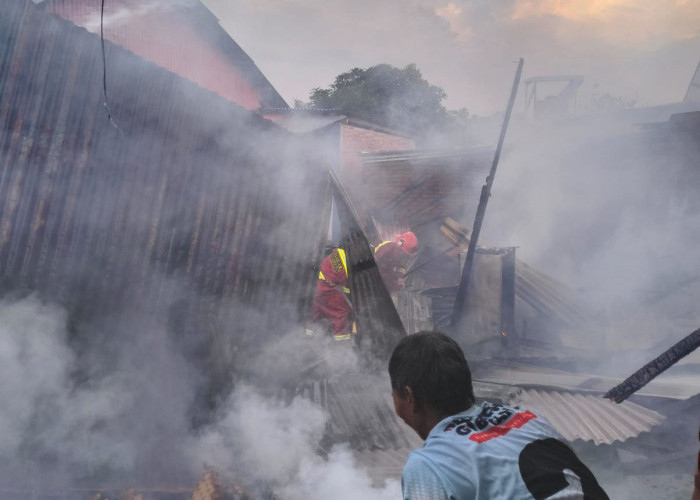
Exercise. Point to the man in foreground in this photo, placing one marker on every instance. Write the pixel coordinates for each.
(485, 451)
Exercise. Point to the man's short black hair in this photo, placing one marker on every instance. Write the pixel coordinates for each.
(433, 365)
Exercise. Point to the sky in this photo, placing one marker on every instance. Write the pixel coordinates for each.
(641, 50)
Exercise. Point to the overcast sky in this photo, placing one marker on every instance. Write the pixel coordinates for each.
(645, 50)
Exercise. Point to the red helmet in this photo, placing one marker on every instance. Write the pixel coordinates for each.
(408, 242)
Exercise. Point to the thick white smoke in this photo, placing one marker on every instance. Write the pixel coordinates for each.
(62, 425)
(34, 365)
(602, 206)
(265, 441)
(129, 424)
(262, 438)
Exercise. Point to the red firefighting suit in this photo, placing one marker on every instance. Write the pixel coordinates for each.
(392, 257)
(332, 307)
(331, 300)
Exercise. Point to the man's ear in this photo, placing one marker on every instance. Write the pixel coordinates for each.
(410, 398)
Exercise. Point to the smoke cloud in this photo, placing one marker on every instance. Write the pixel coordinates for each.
(65, 423)
(276, 445)
(119, 412)
(604, 205)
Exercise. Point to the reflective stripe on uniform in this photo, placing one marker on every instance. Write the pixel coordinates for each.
(381, 245)
(341, 252)
(343, 259)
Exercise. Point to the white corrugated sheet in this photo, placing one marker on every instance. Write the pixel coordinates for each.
(589, 417)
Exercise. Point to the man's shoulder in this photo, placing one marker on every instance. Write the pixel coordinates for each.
(425, 464)
(422, 478)
(478, 417)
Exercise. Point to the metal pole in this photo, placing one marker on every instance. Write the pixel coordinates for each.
(460, 300)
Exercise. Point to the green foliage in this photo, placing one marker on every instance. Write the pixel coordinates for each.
(395, 98)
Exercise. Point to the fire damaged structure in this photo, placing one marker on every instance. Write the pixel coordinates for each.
(181, 183)
(532, 340)
(163, 221)
(157, 209)
(178, 211)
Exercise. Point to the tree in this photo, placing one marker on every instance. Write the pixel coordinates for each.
(395, 98)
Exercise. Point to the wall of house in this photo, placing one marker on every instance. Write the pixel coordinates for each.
(355, 140)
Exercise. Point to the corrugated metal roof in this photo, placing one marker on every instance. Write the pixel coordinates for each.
(304, 122)
(183, 37)
(189, 188)
(589, 417)
(379, 326)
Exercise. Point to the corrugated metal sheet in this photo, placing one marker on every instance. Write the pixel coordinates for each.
(414, 310)
(379, 326)
(183, 187)
(183, 37)
(589, 417)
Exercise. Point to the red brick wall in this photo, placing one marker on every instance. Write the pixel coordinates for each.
(354, 140)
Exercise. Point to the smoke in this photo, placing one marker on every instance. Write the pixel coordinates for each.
(263, 438)
(117, 410)
(605, 206)
(273, 445)
(337, 477)
(66, 423)
(34, 364)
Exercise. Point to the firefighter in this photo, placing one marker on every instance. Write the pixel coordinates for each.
(392, 259)
(331, 307)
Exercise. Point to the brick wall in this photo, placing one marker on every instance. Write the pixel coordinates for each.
(356, 139)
